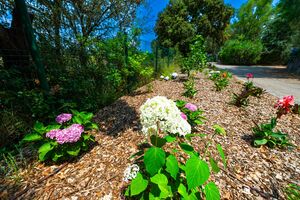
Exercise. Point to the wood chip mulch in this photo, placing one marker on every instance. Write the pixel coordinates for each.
(252, 173)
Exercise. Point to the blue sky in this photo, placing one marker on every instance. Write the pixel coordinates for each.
(156, 6)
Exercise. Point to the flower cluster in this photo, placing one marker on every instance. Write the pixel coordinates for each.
(131, 172)
(285, 103)
(68, 135)
(191, 107)
(174, 75)
(163, 113)
(62, 118)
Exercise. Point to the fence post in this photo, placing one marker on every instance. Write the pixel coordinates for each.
(21, 8)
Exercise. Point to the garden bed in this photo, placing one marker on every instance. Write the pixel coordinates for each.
(252, 173)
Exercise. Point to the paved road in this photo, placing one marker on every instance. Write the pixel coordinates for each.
(274, 79)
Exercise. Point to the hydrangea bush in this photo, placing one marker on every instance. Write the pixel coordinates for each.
(169, 167)
(64, 139)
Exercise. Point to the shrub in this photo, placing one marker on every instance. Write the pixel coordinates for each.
(169, 167)
(64, 139)
(241, 52)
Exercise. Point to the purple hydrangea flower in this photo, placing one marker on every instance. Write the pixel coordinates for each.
(191, 107)
(53, 133)
(64, 117)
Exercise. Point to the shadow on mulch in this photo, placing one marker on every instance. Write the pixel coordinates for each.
(116, 118)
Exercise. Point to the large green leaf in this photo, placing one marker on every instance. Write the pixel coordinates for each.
(170, 138)
(211, 191)
(154, 159)
(39, 127)
(260, 142)
(138, 185)
(44, 149)
(74, 150)
(222, 154)
(172, 166)
(157, 141)
(32, 137)
(197, 172)
(182, 191)
(187, 148)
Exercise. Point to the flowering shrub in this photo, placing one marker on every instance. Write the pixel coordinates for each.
(284, 105)
(191, 112)
(65, 138)
(163, 113)
(170, 168)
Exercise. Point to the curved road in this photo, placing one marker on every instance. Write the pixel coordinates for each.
(273, 79)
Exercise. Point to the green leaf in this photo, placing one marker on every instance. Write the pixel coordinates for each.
(260, 142)
(214, 165)
(212, 192)
(39, 127)
(138, 185)
(53, 127)
(187, 148)
(182, 191)
(219, 130)
(32, 137)
(77, 120)
(44, 149)
(197, 172)
(157, 141)
(222, 154)
(170, 138)
(172, 166)
(154, 159)
(162, 182)
(74, 150)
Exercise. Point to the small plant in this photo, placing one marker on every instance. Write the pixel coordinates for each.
(248, 90)
(220, 78)
(149, 87)
(292, 192)
(191, 113)
(64, 139)
(264, 134)
(189, 87)
(170, 168)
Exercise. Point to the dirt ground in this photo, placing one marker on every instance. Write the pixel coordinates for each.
(252, 173)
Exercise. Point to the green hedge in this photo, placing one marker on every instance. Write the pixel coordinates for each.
(241, 52)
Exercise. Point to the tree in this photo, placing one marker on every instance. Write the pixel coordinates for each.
(251, 18)
(182, 20)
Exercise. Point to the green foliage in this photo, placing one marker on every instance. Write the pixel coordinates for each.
(51, 149)
(264, 134)
(194, 118)
(241, 52)
(189, 88)
(181, 21)
(292, 192)
(164, 175)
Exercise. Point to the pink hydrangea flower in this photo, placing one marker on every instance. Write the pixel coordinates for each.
(183, 116)
(68, 135)
(249, 75)
(53, 133)
(191, 107)
(64, 117)
(285, 103)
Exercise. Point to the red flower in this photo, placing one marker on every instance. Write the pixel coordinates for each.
(286, 103)
(249, 75)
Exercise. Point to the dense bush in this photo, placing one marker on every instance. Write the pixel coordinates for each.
(241, 52)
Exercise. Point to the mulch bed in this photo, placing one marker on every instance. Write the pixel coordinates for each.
(252, 173)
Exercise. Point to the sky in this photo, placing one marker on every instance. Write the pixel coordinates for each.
(156, 6)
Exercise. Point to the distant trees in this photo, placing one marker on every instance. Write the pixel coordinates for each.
(182, 20)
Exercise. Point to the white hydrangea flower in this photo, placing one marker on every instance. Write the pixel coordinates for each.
(162, 77)
(174, 75)
(162, 111)
(167, 78)
(131, 172)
